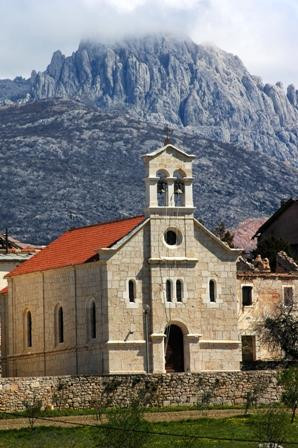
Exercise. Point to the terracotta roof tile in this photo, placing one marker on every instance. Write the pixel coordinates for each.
(4, 290)
(78, 245)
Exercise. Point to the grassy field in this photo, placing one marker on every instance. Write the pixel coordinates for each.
(91, 437)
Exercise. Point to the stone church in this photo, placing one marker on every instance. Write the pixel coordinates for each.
(153, 293)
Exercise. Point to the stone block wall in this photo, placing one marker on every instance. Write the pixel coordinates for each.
(156, 390)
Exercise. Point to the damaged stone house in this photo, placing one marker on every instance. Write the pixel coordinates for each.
(260, 294)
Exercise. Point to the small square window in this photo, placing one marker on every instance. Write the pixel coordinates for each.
(288, 296)
(246, 295)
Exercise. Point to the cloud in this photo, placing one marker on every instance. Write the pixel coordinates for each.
(263, 33)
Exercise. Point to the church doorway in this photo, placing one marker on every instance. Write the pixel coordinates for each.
(174, 349)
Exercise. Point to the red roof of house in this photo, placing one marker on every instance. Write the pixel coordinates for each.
(77, 246)
(4, 290)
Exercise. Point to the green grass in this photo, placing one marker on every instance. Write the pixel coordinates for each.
(91, 411)
(89, 437)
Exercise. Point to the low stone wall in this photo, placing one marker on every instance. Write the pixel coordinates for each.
(154, 390)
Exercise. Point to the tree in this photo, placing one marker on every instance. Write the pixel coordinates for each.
(269, 247)
(224, 234)
(272, 427)
(125, 427)
(289, 380)
(280, 331)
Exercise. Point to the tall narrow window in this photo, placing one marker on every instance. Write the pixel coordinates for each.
(288, 296)
(179, 291)
(60, 325)
(212, 291)
(169, 290)
(162, 188)
(93, 320)
(179, 188)
(246, 295)
(29, 329)
(131, 290)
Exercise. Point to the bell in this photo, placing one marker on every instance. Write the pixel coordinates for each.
(178, 191)
(161, 188)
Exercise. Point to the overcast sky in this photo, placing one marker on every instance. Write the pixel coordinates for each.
(263, 33)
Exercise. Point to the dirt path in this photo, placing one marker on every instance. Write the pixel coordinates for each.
(69, 421)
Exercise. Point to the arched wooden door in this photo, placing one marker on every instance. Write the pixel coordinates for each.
(174, 349)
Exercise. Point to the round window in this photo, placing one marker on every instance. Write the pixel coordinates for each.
(172, 237)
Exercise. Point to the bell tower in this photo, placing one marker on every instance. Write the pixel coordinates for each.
(169, 182)
(172, 253)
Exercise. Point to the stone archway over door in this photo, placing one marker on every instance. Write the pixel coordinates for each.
(174, 349)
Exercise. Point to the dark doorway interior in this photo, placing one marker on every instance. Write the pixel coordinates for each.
(174, 349)
(248, 348)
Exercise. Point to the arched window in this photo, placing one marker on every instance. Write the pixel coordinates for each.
(179, 188)
(212, 291)
(29, 328)
(60, 325)
(169, 290)
(162, 188)
(179, 290)
(93, 320)
(132, 291)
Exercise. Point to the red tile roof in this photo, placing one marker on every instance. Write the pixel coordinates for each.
(77, 246)
(4, 290)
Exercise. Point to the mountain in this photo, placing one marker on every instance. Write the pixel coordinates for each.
(165, 78)
(65, 163)
(245, 231)
(71, 137)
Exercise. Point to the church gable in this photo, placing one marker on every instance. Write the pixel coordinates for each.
(213, 244)
(170, 149)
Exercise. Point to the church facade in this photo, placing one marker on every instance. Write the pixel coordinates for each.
(153, 293)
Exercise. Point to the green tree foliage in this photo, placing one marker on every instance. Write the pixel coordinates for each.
(280, 331)
(222, 233)
(126, 427)
(269, 247)
(289, 380)
(272, 427)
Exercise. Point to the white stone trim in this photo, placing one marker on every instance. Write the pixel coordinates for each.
(235, 252)
(222, 341)
(157, 336)
(179, 237)
(218, 291)
(137, 301)
(132, 342)
(192, 337)
(172, 260)
(158, 151)
(89, 301)
(174, 303)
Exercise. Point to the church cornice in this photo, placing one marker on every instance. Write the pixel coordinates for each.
(172, 260)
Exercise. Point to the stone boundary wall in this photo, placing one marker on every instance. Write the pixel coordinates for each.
(155, 390)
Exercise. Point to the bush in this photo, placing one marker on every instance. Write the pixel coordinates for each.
(125, 428)
(272, 427)
(289, 380)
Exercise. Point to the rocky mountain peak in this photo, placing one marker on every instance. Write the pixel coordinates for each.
(169, 78)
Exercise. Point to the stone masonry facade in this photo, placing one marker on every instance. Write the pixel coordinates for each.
(229, 388)
(268, 294)
(207, 324)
